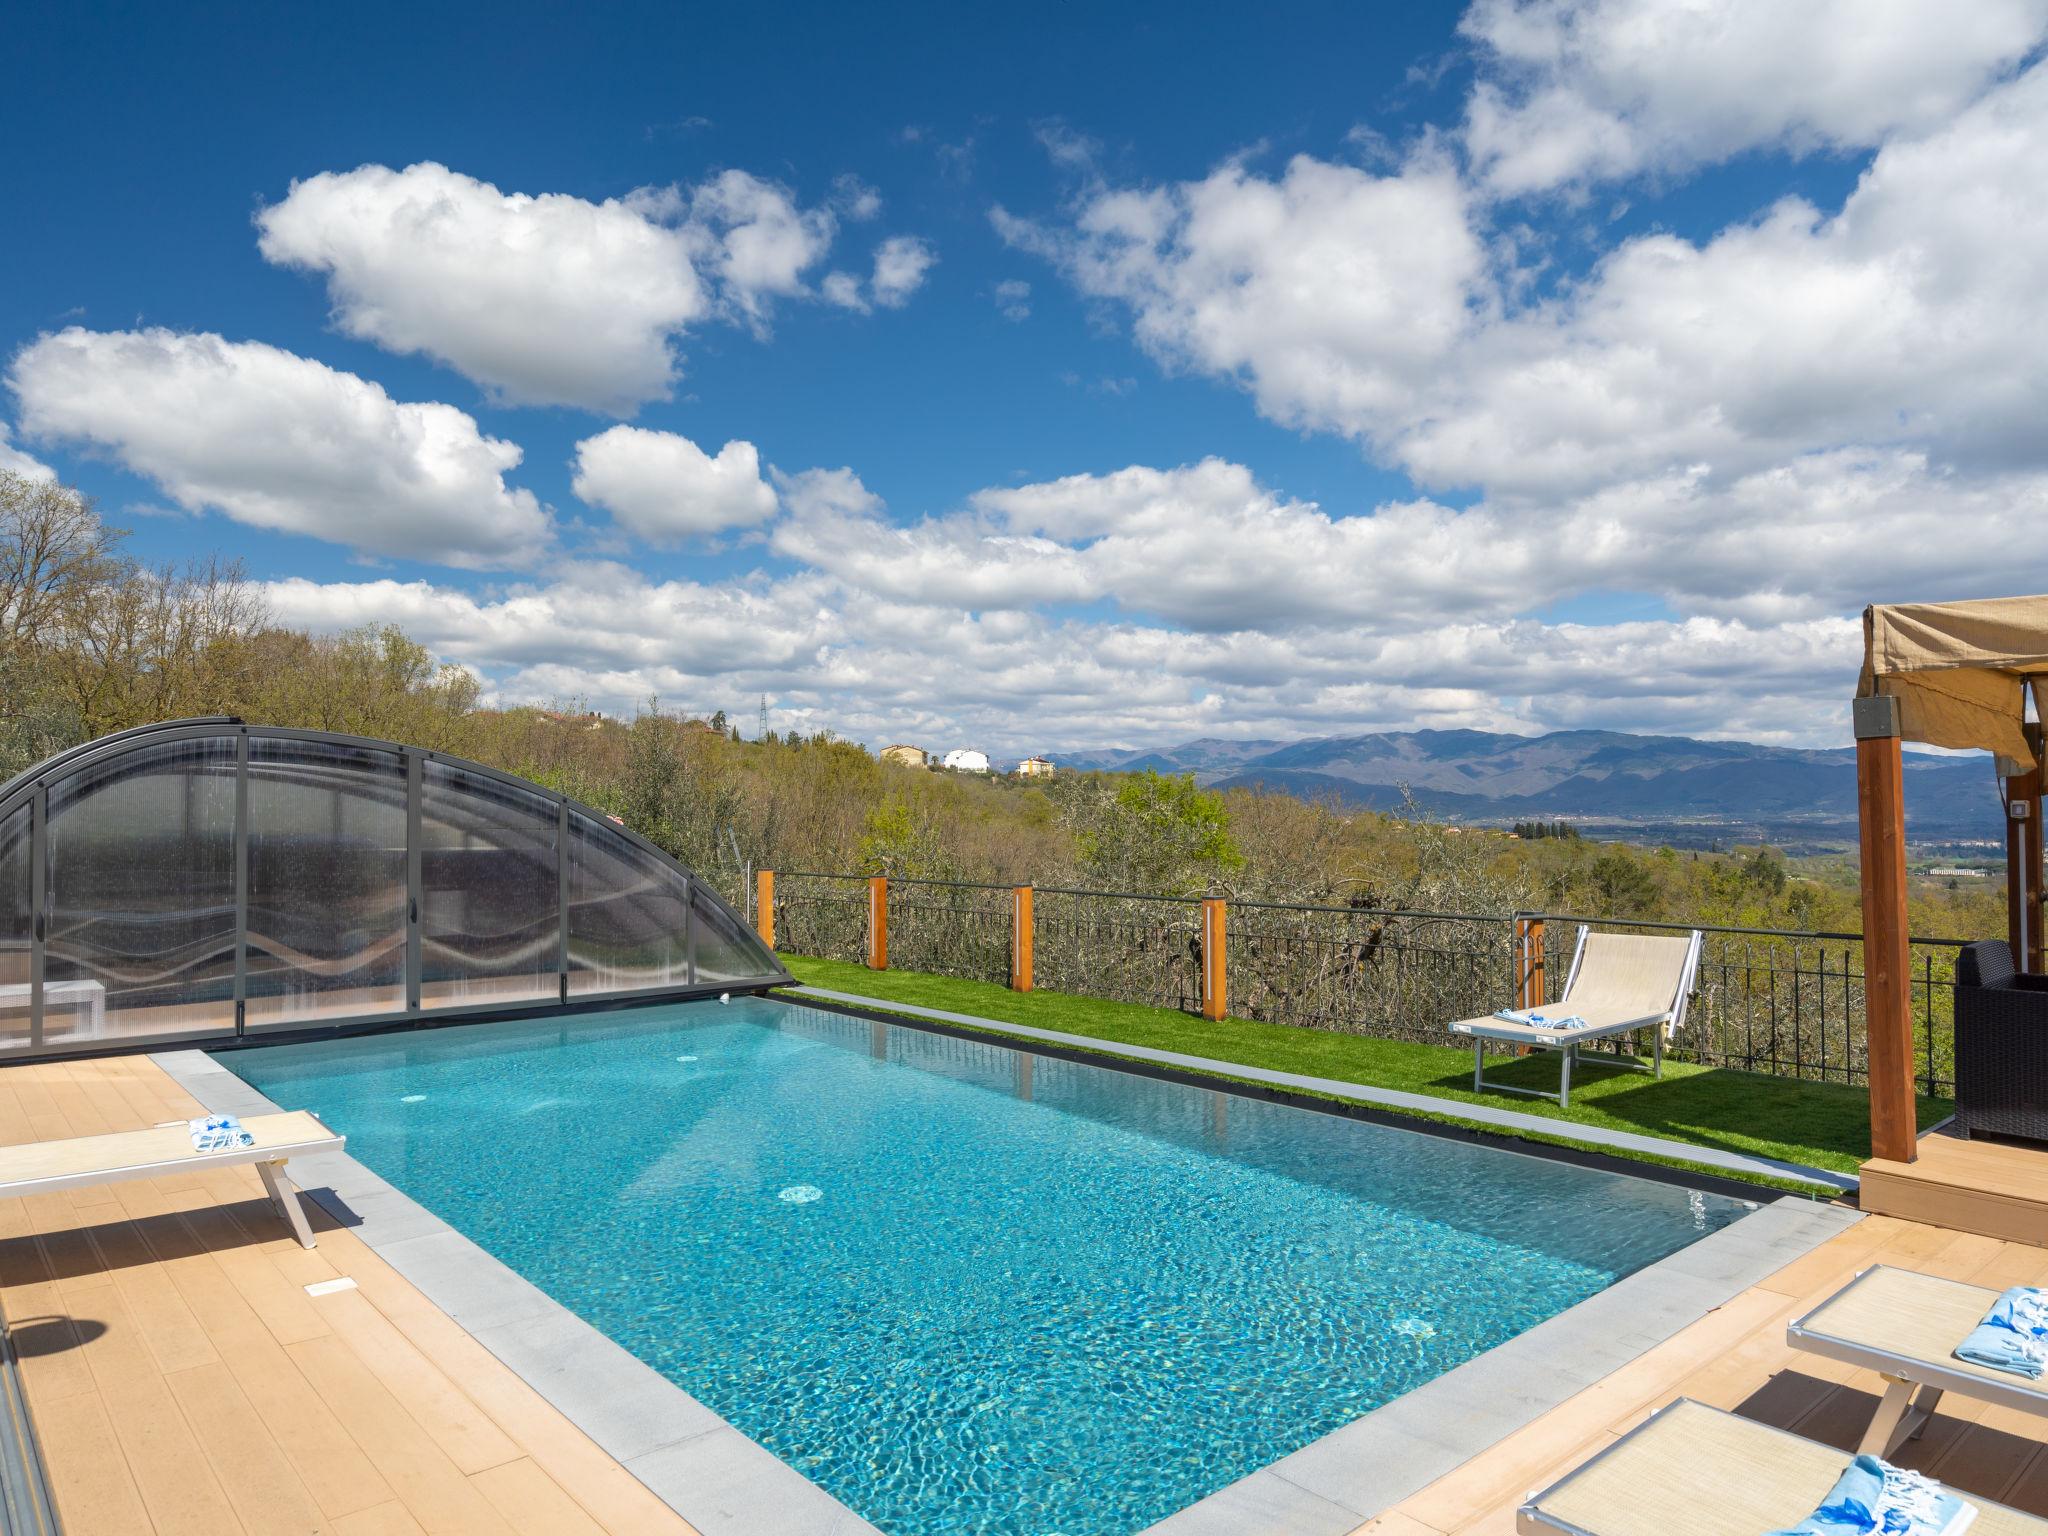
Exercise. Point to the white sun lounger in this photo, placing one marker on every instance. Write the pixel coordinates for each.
(1618, 983)
(39, 1167)
(1695, 1470)
(1906, 1326)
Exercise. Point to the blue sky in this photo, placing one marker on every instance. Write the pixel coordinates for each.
(1282, 371)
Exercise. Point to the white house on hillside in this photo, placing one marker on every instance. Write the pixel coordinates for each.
(965, 760)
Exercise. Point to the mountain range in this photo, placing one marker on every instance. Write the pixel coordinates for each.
(1683, 790)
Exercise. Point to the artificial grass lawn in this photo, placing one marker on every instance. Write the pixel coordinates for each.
(1823, 1125)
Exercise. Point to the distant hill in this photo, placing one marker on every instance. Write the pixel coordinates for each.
(1678, 789)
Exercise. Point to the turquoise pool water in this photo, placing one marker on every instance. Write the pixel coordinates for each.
(963, 1288)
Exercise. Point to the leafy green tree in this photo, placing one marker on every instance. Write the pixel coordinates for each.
(904, 841)
(1624, 887)
(1150, 832)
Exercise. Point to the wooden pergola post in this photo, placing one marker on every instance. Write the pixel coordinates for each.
(1887, 959)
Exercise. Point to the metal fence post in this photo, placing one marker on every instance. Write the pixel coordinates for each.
(1022, 931)
(878, 923)
(1518, 993)
(764, 905)
(1215, 970)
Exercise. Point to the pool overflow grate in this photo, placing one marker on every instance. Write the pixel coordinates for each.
(26, 1508)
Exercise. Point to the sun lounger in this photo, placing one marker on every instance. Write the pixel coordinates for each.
(39, 1167)
(1906, 1326)
(1702, 1472)
(1618, 983)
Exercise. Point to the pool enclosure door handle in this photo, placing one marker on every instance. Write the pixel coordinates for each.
(412, 910)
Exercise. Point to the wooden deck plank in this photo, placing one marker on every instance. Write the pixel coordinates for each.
(433, 1489)
(456, 1424)
(259, 1479)
(89, 1477)
(389, 1519)
(533, 1502)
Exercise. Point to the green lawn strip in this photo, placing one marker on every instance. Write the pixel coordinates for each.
(1821, 1125)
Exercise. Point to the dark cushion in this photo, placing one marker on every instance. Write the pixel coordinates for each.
(1987, 963)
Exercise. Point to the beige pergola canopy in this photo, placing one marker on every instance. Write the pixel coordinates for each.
(1960, 671)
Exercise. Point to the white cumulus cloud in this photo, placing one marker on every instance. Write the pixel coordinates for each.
(664, 487)
(1381, 307)
(901, 263)
(547, 300)
(1587, 90)
(552, 299)
(18, 462)
(280, 441)
(1332, 293)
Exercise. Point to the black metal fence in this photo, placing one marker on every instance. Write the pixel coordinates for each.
(951, 928)
(1778, 1001)
(1129, 949)
(822, 915)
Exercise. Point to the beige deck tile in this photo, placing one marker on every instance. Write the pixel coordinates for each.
(252, 1467)
(431, 1486)
(89, 1477)
(46, 1341)
(390, 1519)
(462, 1429)
(175, 1479)
(533, 1502)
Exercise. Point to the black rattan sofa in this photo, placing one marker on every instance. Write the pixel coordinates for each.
(2001, 1045)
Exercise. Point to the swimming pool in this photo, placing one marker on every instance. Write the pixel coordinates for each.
(965, 1288)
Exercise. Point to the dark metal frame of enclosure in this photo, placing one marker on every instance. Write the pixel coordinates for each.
(32, 787)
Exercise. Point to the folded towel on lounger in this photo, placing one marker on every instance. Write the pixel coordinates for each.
(1537, 1019)
(2014, 1334)
(218, 1133)
(1875, 1496)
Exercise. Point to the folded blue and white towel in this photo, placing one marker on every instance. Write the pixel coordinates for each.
(1538, 1019)
(2014, 1334)
(219, 1133)
(1873, 1495)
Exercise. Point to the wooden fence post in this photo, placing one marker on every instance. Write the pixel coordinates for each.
(1021, 934)
(878, 923)
(764, 905)
(1215, 969)
(1535, 985)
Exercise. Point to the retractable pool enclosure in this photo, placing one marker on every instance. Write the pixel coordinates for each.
(206, 879)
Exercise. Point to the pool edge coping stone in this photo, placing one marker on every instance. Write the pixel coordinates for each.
(732, 1485)
(1506, 1120)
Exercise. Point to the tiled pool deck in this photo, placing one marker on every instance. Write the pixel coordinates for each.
(183, 1379)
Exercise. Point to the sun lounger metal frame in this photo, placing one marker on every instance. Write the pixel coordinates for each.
(1914, 1383)
(1567, 1041)
(154, 1152)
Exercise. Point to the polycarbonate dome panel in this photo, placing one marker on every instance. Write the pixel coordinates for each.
(207, 879)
